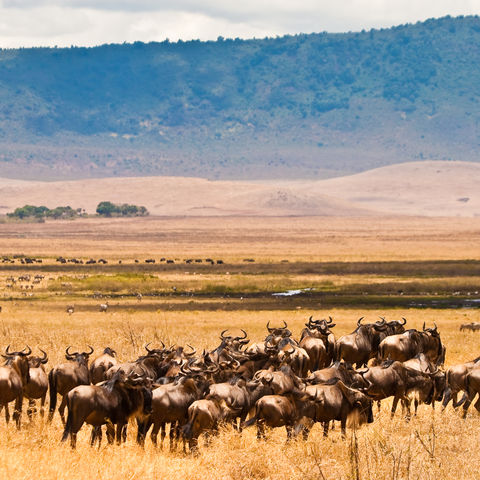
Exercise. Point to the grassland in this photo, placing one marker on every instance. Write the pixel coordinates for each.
(340, 258)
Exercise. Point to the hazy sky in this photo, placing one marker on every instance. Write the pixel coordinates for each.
(93, 22)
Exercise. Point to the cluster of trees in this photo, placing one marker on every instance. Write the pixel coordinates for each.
(104, 209)
(109, 209)
(42, 212)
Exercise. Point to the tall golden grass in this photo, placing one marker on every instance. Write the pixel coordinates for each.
(432, 445)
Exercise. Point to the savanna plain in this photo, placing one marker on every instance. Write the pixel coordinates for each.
(423, 269)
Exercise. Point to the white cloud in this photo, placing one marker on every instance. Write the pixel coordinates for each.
(93, 22)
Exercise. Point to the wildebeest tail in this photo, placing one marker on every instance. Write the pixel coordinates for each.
(52, 384)
(250, 422)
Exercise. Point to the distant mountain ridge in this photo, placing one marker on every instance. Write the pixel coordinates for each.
(304, 106)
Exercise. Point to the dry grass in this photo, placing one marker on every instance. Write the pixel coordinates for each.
(430, 446)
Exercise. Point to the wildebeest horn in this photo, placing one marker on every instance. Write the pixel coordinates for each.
(222, 337)
(404, 321)
(24, 353)
(183, 369)
(244, 334)
(7, 350)
(289, 352)
(423, 326)
(43, 359)
(146, 347)
(359, 321)
(91, 350)
(68, 354)
(330, 320)
(193, 352)
(285, 325)
(436, 328)
(268, 327)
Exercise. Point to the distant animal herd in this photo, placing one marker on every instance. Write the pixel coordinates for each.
(280, 381)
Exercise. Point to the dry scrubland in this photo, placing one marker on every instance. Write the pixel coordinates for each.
(433, 445)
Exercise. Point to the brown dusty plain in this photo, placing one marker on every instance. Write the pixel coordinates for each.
(431, 446)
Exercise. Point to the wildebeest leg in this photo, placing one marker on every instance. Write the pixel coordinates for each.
(96, 436)
(124, 433)
(288, 428)
(31, 409)
(7, 413)
(61, 408)
(121, 432)
(17, 413)
(379, 405)
(110, 432)
(261, 430)
(171, 435)
(343, 425)
(73, 440)
(154, 434)
(163, 434)
(178, 433)
(394, 405)
(42, 405)
(447, 396)
(142, 429)
(325, 429)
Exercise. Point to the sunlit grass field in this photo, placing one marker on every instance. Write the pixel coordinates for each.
(430, 446)
(433, 445)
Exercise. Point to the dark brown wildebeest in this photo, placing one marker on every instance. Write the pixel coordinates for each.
(111, 403)
(279, 381)
(362, 344)
(472, 388)
(281, 411)
(455, 382)
(37, 385)
(170, 403)
(394, 379)
(204, 416)
(402, 347)
(14, 375)
(66, 376)
(319, 343)
(421, 363)
(99, 366)
(336, 401)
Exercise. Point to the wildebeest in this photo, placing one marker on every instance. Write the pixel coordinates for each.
(394, 379)
(336, 401)
(402, 347)
(204, 417)
(281, 411)
(472, 388)
(62, 378)
(37, 385)
(14, 375)
(100, 365)
(111, 403)
(319, 343)
(362, 344)
(455, 381)
(473, 326)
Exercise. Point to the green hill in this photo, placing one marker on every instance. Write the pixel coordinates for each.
(301, 106)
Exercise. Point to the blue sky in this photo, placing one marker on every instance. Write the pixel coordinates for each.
(93, 22)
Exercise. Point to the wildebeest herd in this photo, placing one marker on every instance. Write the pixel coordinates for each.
(278, 382)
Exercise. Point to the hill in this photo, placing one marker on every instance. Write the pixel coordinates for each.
(304, 106)
(430, 188)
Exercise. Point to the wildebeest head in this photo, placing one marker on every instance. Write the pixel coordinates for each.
(109, 351)
(275, 334)
(19, 362)
(80, 358)
(35, 362)
(359, 402)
